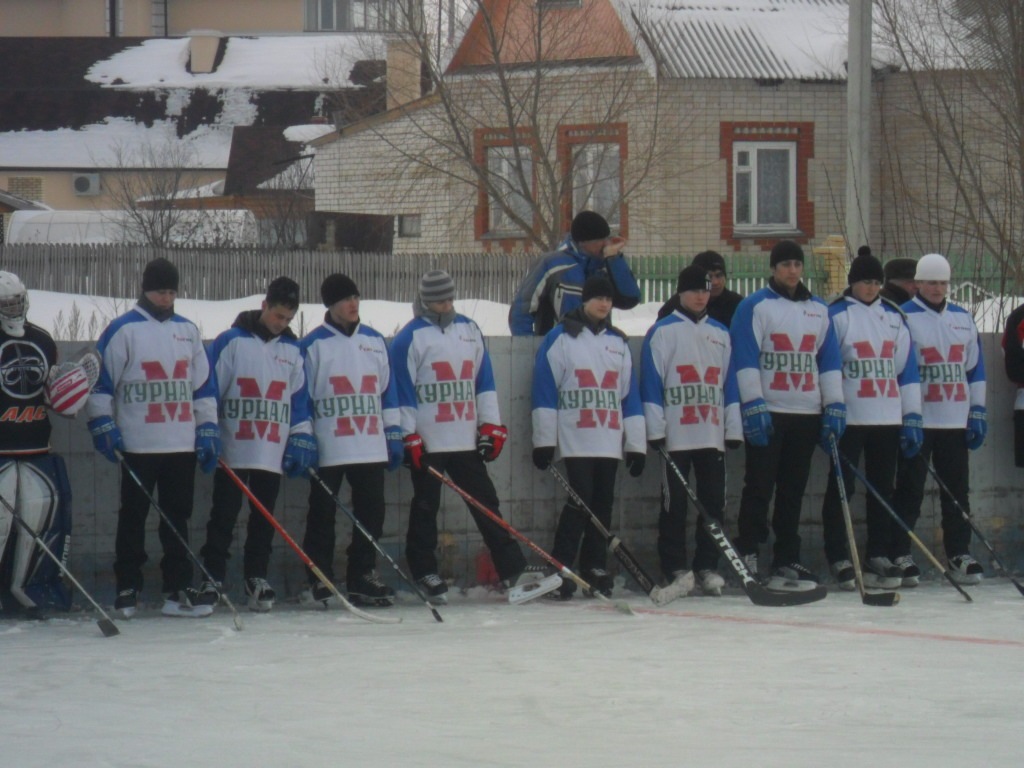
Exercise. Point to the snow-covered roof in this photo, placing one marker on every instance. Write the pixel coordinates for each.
(753, 39)
(111, 145)
(289, 61)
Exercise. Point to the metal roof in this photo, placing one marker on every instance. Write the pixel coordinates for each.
(750, 39)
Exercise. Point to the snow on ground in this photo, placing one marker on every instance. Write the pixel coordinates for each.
(934, 682)
(53, 311)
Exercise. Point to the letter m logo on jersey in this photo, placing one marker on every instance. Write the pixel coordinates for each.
(598, 401)
(257, 410)
(944, 378)
(700, 394)
(794, 364)
(169, 396)
(456, 394)
(873, 369)
(359, 409)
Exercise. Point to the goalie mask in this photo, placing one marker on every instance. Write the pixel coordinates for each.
(13, 305)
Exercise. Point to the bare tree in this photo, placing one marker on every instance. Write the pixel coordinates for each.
(547, 112)
(155, 188)
(955, 180)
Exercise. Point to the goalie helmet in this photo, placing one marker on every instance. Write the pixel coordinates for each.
(13, 304)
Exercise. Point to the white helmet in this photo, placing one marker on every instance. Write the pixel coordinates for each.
(13, 304)
(932, 266)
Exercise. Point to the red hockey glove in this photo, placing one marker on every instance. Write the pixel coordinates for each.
(490, 440)
(414, 451)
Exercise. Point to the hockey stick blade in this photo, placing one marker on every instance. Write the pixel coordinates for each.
(758, 594)
(306, 560)
(534, 589)
(106, 624)
(970, 521)
(616, 546)
(880, 598)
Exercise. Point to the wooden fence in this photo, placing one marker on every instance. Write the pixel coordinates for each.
(115, 271)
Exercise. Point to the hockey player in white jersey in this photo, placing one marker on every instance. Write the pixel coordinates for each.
(883, 418)
(356, 422)
(789, 371)
(256, 370)
(691, 408)
(952, 371)
(155, 404)
(450, 420)
(586, 403)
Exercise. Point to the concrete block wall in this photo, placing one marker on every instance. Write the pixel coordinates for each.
(529, 499)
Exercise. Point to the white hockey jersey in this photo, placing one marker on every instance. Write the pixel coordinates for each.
(688, 389)
(880, 378)
(261, 394)
(585, 397)
(785, 351)
(950, 363)
(354, 400)
(154, 381)
(445, 383)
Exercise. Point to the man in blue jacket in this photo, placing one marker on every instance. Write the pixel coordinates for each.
(554, 285)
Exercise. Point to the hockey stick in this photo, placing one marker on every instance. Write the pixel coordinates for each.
(970, 522)
(499, 520)
(138, 481)
(106, 624)
(873, 598)
(757, 592)
(899, 520)
(617, 548)
(376, 545)
(307, 561)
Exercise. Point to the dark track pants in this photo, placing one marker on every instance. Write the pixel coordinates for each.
(467, 470)
(947, 449)
(880, 445)
(172, 475)
(259, 536)
(367, 483)
(709, 474)
(593, 479)
(780, 468)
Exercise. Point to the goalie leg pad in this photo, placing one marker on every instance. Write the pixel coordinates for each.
(44, 502)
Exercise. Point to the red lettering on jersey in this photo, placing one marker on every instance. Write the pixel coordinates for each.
(343, 386)
(348, 426)
(155, 371)
(592, 418)
(783, 343)
(444, 371)
(688, 374)
(586, 379)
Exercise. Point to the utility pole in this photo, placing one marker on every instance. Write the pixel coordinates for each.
(858, 126)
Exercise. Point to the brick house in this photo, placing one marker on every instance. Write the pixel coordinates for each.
(720, 125)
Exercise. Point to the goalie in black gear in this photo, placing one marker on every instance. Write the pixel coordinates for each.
(33, 481)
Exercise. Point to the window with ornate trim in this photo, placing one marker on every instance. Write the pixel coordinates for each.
(767, 183)
(592, 158)
(508, 160)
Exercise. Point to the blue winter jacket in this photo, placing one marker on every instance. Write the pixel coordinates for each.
(554, 285)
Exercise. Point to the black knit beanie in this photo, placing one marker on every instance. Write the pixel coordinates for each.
(283, 291)
(589, 226)
(865, 267)
(160, 275)
(786, 250)
(336, 287)
(693, 278)
(597, 285)
(711, 261)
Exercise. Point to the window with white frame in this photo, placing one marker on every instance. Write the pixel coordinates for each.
(764, 179)
(353, 15)
(596, 180)
(508, 167)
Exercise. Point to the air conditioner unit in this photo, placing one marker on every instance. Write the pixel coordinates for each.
(85, 184)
